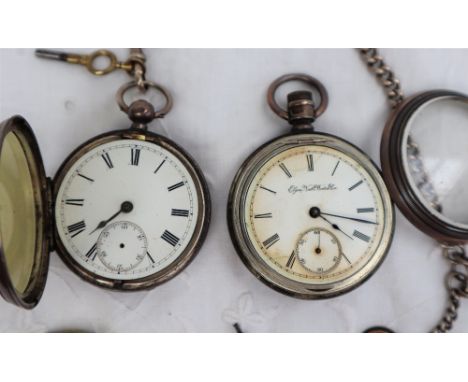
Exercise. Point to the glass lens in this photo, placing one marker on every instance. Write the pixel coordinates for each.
(435, 153)
(17, 212)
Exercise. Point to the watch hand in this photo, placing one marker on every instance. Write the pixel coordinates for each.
(346, 217)
(125, 207)
(315, 212)
(318, 250)
(335, 226)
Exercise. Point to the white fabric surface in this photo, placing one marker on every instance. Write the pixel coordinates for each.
(220, 116)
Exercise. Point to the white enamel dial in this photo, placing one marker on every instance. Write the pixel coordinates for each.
(126, 181)
(307, 189)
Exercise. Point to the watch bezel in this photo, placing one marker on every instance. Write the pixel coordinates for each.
(201, 225)
(249, 255)
(406, 198)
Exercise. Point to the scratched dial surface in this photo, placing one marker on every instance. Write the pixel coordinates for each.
(318, 190)
(116, 187)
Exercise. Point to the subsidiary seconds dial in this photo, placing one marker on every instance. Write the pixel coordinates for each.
(126, 209)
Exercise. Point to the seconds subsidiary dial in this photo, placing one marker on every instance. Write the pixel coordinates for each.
(127, 210)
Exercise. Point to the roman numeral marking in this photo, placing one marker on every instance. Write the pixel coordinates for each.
(355, 185)
(310, 162)
(365, 210)
(92, 253)
(75, 202)
(291, 260)
(271, 240)
(150, 257)
(135, 157)
(108, 160)
(285, 169)
(160, 165)
(77, 228)
(176, 212)
(85, 177)
(263, 216)
(361, 236)
(170, 238)
(267, 189)
(336, 166)
(175, 186)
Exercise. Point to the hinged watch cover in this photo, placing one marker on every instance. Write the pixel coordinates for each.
(416, 196)
(24, 215)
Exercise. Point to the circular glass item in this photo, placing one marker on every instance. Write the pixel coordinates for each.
(130, 213)
(301, 188)
(425, 163)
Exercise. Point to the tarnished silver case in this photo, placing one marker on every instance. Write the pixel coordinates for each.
(236, 219)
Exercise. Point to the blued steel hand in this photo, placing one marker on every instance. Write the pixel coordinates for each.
(335, 226)
(315, 212)
(125, 207)
(346, 217)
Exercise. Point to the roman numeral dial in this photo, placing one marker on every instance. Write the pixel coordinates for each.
(127, 209)
(313, 214)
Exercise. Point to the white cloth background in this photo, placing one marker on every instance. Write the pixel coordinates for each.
(220, 116)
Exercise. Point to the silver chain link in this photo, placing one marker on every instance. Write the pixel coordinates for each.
(457, 285)
(384, 74)
(457, 278)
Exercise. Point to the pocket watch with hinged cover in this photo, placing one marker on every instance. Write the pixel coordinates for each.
(309, 213)
(127, 210)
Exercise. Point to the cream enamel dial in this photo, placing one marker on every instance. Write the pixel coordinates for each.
(315, 219)
(126, 210)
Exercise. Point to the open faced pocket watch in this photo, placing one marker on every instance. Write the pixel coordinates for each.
(309, 213)
(127, 210)
(424, 155)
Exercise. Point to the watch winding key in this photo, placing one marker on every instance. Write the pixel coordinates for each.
(308, 212)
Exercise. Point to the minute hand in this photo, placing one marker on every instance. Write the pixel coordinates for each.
(346, 217)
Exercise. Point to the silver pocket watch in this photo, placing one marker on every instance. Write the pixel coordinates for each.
(127, 210)
(309, 213)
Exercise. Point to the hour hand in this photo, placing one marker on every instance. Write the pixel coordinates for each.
(125, 207)
(315, 212)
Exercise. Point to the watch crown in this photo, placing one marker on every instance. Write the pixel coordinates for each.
(301, 109)
(141, 112)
